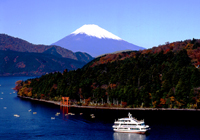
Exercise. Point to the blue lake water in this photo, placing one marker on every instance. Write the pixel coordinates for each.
(173, 125)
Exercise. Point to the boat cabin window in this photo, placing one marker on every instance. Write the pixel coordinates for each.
(124, 121)
(132, 124)
(134, 128)
(142, 124)
(128, 124)
(122, 128)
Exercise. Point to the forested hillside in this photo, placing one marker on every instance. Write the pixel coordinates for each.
(34, 64)
(165, 76)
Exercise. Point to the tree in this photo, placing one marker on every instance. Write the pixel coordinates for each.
(195, 78)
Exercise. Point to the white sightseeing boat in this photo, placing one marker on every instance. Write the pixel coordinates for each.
(130, 125)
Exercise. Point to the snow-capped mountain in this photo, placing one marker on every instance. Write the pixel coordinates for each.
(95, 31)
(95, 41)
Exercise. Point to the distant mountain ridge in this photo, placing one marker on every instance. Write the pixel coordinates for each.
(15, 44)
(19, 57)
(34, 64)
(95, 41)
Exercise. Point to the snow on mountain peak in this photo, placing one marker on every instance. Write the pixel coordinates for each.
(96, 31)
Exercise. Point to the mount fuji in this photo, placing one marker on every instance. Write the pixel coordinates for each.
(95, 41)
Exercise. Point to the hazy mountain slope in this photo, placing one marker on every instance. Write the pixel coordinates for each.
(25, 63)
(83, 56)
(16, 44)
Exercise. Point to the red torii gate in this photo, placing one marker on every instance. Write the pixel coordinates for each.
(65, 101)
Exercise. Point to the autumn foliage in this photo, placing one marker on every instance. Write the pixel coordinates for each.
(192, 47)
(166, 76)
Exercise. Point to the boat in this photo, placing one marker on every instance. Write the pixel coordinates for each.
(71, 114)
(16, 115)
(92, 116)
(52, 118)
(57, 114)
(130, 125)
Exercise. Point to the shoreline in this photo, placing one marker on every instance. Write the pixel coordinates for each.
(111, 108)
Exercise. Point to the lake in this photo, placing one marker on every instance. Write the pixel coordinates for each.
(43, 121)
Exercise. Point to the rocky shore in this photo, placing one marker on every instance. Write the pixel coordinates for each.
(100, 107)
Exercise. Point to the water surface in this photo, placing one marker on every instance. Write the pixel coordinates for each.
(173, 125)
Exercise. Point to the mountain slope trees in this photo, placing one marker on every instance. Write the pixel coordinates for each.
(150, 78)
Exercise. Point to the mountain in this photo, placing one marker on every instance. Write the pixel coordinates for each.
(192, 47)
(162, 77)
(95, 41)
(84, 57)
(15, 44)
(19, 57)
(15, 63)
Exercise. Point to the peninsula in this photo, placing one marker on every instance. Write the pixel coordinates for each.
(166, 76)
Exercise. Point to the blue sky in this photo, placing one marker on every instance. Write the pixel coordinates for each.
(146, 23)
